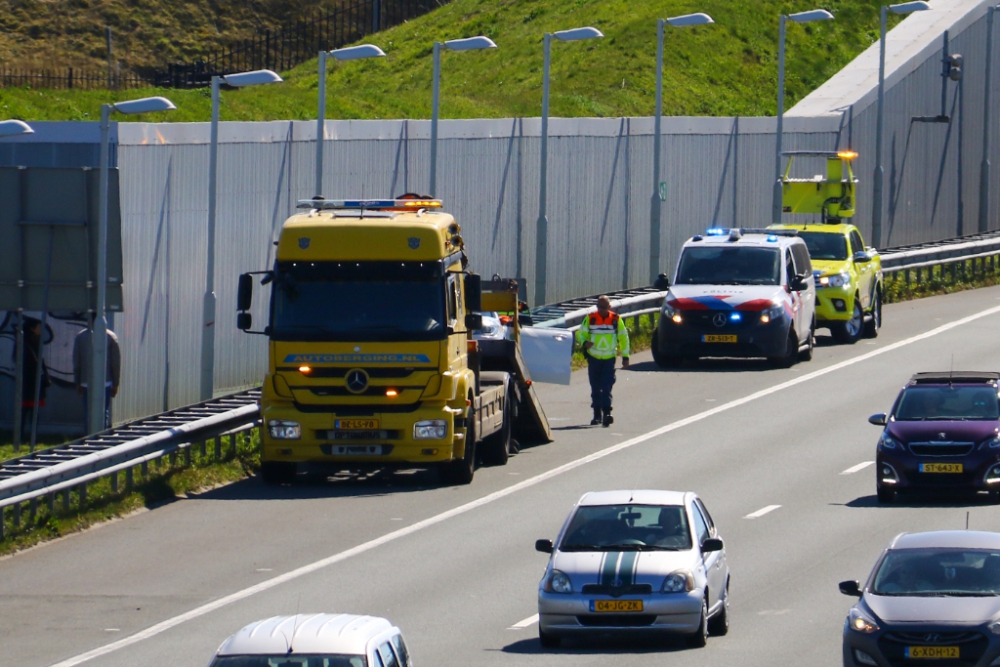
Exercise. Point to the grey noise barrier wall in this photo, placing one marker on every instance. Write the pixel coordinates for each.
(715, 172)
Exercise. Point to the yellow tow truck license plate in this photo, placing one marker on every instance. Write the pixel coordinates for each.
(932, 652)
(718, 338)
(356, 424)
(615, 606)
(942, 467)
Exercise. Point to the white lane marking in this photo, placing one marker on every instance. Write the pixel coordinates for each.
(860, 466)
(209, 607)
(761, 512)
(773, 612)
(521, 625)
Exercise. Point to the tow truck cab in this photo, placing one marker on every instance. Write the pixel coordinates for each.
(371, 362)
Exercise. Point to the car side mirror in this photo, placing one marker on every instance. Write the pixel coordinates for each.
(244, 321)
(851, 588)
(799, 283)
(861, 257)
(711, 544)
(473, 321)
(877, 420)
(662, 282)
(545, 546)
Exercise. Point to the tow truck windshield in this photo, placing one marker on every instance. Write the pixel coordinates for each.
(729, 265)
(316, 305)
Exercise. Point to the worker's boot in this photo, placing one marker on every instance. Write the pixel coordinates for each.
(597, 417)
(608, 419)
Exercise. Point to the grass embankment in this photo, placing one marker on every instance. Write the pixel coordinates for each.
(725, 69)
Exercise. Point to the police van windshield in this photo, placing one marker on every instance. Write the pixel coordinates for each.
(323, 306)
(729, 265)
(825, 246)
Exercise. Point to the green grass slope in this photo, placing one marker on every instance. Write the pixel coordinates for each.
(725, 69)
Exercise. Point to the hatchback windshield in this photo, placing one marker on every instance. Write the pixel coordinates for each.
(825, 246)
(628, 527)
(728, 265)
(950, 403)
(297, 660)
(939, 573)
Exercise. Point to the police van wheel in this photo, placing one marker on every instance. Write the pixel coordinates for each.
(659, 357)
(496, 448)
(462, 470)
(807, 353)
(277, 472)
(791, 355)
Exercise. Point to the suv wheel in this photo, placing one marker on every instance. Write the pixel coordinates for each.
(850, 331)
(875, 322)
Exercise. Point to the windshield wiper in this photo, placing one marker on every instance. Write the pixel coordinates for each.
(582, 547)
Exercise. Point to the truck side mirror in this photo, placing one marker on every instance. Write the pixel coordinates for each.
(244, 296)
(474, 321)
(244, 321)
(861, 257)
(473, 293)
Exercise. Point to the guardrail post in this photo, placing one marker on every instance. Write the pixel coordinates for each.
(218, 448)
(145, 470)
(65, 495)
(83, 495)
(129, 479)
(173, 458)
(17, 515)
(50, 500)
(114, 482)
(202, 452)
(33, 510)
(187, 455)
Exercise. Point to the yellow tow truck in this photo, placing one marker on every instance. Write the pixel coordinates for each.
(372, 361)
(848, 273)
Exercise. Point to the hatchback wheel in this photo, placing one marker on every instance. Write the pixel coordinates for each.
(699, 637)
(718, 625)
(885, 494)
(547, 640)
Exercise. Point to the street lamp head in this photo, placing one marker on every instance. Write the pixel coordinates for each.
(811, 15)
(470, 44)
(358, 52)
(690, 19)
(144, 105)
(254, 78)
(577, 34)
(907, 7)
(10, 128)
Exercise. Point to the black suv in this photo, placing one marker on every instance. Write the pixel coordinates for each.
(941, 435)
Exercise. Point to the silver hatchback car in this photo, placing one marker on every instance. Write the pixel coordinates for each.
(639, 562)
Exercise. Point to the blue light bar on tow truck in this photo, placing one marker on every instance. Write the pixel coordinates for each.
(369, 204)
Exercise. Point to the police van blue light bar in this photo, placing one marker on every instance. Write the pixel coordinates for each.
(716, 231)
(368, 204)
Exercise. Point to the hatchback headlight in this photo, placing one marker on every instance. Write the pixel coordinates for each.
(888, 442)
(680, 581)
(861, 622)
(992, 443)
(994, 627)
(835, 280)
(430, 429)
(559, 583)
(284, 430)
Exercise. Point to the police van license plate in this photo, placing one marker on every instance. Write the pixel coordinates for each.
(932, 652)
(356, 424)
(616, 606)
(942, 467)
(718, 338)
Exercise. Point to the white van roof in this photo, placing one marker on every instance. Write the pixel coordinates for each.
(346, 634)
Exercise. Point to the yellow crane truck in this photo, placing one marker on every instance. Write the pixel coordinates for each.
(372, 360)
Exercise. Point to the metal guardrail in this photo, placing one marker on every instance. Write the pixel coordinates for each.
(47, 472)
(948, 251)
(570, 314)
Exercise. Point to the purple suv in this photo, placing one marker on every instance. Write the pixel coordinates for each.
(943, 434)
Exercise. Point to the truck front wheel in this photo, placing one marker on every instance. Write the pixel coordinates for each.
(462, 470)
(278, 472)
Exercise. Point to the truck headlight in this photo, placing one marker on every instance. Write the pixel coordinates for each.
(559, 583)
(284, 430)
(861, 622)
(680, 581)
(430, 429)
(835, 280)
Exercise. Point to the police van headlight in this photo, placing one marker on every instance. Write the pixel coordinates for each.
(430, 429)
(835, 280)
(284, 430)
(774, 313)
(671, 313)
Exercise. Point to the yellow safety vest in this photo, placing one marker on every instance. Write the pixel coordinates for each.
(606, 333)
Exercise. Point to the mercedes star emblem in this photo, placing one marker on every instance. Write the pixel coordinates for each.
(719, 320)
(357, 381)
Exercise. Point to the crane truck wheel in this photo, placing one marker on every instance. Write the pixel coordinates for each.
(462, 470)
(496, 448)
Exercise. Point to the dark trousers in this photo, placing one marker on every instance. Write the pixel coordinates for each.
(601, 373)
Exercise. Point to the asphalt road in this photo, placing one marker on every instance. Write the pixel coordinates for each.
(455, 568)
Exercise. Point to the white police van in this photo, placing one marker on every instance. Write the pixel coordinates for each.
(738, 293)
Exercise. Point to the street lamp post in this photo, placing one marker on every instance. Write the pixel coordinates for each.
(238, 80)
(801, 17)
(542, 227)
(904, 8)
(350, 53)
(984, 170)
(11, 128)
(99, 333)
(468, 44)
(654, 208)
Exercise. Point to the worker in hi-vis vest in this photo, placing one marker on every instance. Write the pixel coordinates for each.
(601, 335)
